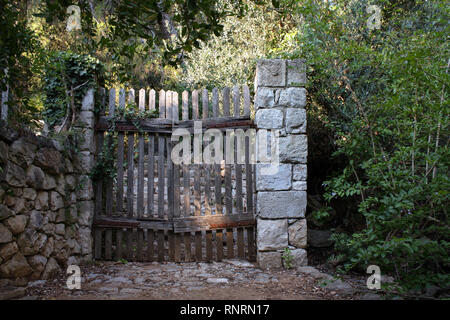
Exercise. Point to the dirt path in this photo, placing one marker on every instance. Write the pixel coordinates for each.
(231, 279)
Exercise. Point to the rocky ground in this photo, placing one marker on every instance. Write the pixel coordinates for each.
(230, 279)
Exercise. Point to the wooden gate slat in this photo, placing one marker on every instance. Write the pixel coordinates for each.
(171, 240)
(109, 184)
(162, 104)
(251, 243)
(151, 99)
(177, 247)
(197, 190)
(99, 182)
(161, 248)
(140, 245)
(228, 186)
(236, 101)
(226, 101)
(185, 105)
(187, 247)
(130, 255)
(150, 245)
(120, 156)
(119, 244)
(170, 182)
(108, 244)
(140, 183)
(161, 143)
(230, 244)
(130, 174)
(209, 249)
(150, 175)
(98, 244)
(248, 177)
(205, 104)
(246, 94)
(195, 113)
(240, 243)
(218, 188)
(175, 109)
(198, 246)
(215, 103)
(219, 244)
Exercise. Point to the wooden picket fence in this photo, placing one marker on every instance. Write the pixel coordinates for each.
(155, 210)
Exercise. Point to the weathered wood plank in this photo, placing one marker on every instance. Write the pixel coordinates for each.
(112, 102)
(176, 190)
(215, 103)
(131, 96)
(240, 243)
(109, 184)
(218, 188)
(205, 104)
(186, 191)
(124, 222)
(98, 243)
(198, 246)
(99, 182)
(246, 93)
(207, 174)
(209, 249)
(230, 243)
(119, 244)
(130, 174)
(236, 101)
(228, 186)
(150, 175)
(197, 190)
(170, 182)
(187, 247)
(152, 100)
(175, 108)
(177, 247)
(130, 252)
(140, 182)
(226, 101)
(169, 111)
(108, 244)
(150, 245)
(161, 248)
(140, 245)
(185, 105)
(122, 97)
(120, 156)
(195, 113)
(238, 179)
(219, 244)
(161, 160)
(158, 125)
(171, 240)
(248, 177)
(141, 99)
(197, 223)
(251, 243)
(162, 104)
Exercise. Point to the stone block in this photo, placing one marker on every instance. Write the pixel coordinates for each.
(281, 180)
(300, 172)
(292, 97)
(297, 232)
(281, 204)
(295, 120)
(293, 148)
(299, 185)
(269, 119)
(296, 72)
(272, 234)
(264, 98)
(269, 260)
(271, 73)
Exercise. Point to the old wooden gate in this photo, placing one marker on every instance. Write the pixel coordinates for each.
(155, 210)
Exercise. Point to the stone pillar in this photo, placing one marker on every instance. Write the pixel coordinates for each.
(281, 196)
(85, 195)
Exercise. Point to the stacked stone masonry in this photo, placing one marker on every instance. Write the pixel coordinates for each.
(280, 102)
(46, 201)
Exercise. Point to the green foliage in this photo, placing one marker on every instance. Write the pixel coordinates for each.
(384, 95)
(287, 258)
(67, 78)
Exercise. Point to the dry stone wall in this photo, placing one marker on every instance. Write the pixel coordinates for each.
(46, 200)
(281, 196)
